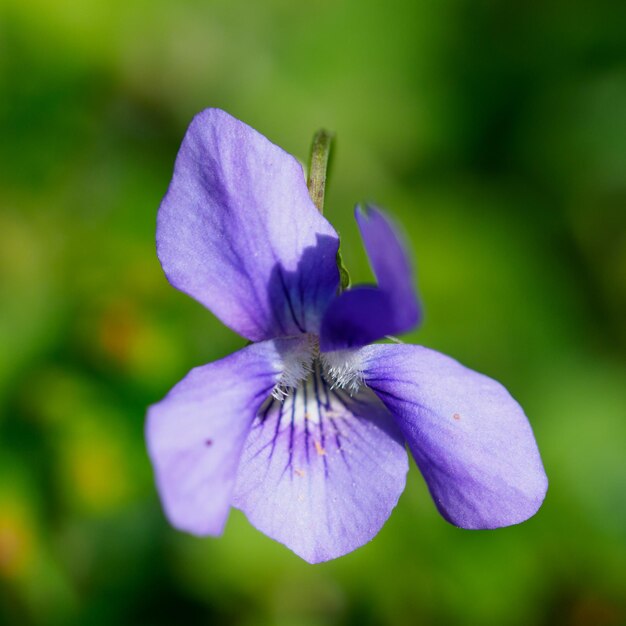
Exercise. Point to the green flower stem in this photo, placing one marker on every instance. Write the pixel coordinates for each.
(320, 151)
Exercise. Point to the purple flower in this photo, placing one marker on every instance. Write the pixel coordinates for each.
(305, 429)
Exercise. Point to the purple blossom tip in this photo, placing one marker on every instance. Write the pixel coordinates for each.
(367, 313)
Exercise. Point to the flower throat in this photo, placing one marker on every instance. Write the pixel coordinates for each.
(339, 370)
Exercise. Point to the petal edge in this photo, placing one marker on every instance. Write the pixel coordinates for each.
(470, 438)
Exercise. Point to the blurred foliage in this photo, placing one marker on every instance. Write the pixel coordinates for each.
(494, 132)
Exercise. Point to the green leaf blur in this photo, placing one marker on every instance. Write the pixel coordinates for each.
(494, 132)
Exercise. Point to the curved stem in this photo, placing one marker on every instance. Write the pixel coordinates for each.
(320, 151)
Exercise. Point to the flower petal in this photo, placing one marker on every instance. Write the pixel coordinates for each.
(471, 440)
(364, 314)
(321, 471)
(196, 433)
(389, 260)
(238, 232)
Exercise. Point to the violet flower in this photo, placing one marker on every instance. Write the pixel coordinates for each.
(305, 429)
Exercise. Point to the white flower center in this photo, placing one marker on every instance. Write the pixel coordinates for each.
(340, 369)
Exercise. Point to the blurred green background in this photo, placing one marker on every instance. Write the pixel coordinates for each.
(494, 132)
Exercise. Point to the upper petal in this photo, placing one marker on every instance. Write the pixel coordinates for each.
(196, 433)
(366, 313)
(390, 261)
(321, 471)
(470, 439)
(238, 232)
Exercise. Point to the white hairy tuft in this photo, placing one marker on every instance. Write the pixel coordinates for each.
(343, 369)
(297, 365)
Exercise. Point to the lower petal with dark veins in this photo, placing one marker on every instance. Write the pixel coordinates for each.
(321, 470)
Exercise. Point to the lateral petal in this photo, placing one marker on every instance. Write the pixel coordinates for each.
(238, 232)
(470, 438)
(196, 433)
